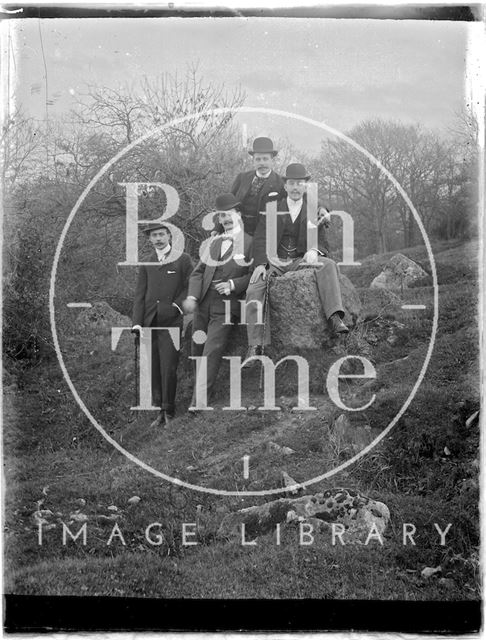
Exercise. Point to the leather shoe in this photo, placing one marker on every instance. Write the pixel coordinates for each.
(337, 324)
(255, 350)
(159, 421)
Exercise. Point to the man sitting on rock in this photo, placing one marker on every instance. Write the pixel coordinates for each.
(219, 281)
(292, 250)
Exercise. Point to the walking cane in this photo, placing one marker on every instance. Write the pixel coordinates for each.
(137, 364)
(265, 315)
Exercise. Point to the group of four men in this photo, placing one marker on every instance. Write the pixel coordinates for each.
(236, 262)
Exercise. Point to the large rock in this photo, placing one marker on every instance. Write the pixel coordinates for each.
(296, 316)
(398, 274)
(356, 512)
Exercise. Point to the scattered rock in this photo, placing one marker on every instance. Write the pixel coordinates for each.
(472, 418)
(446, 451)
(134, 500)
(398, 274)
(112, 507)
(448, 583)
(81, 502)
(430, 571)
(110, 518)
(356, 512)
(78, 517)
(40, 515)
(276, 448)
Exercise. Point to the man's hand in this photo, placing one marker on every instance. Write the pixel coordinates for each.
(323, 217)
(189, 305)
(223, 288)
(260, 272)
(136, 331)
(311, 257)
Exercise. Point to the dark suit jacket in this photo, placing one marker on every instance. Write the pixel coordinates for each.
(202, 276)
(260, 239)
(158, 286)
(241, 187)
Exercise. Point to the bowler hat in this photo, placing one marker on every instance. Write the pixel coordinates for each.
(263, 145)
(226, 201)
(154, 226)
(296, 171)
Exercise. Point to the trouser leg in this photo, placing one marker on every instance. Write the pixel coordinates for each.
(329, 288)
(214, 348)
(255, 312)
(167, 359)
(212, 321)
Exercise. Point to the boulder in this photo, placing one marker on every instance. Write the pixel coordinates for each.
(398, 274)
(356, 512)
(296, 316)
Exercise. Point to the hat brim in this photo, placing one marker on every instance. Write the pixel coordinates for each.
(272, 153)
(149, 230)
(228, 207)
(285, 178)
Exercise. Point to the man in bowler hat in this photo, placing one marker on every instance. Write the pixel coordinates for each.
(221, 276)
(292, 249)
(253, 189)
(159, 293)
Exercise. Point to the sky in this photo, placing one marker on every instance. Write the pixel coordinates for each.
(335, 71)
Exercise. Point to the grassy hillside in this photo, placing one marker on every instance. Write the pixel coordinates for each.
(425, 470)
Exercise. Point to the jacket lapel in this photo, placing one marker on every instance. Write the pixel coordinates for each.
(247, 180)
(214, 252)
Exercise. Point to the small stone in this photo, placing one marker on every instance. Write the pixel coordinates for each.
(398, 274)
(45, 512)
(81, 502)
(446, 451)
(134, 500)
(471, 419)
(112, 507)
(276, 448)
(78, 517)
(427, 572)
(110, 518)
(448, 583)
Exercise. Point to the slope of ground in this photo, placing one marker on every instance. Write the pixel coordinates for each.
(425, 470)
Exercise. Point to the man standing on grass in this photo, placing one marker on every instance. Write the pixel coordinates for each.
(216, 286)
(159, 293)
(292, 250)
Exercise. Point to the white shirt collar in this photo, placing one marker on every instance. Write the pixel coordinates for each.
(234, 232)
(162, 253)
(294, 207)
